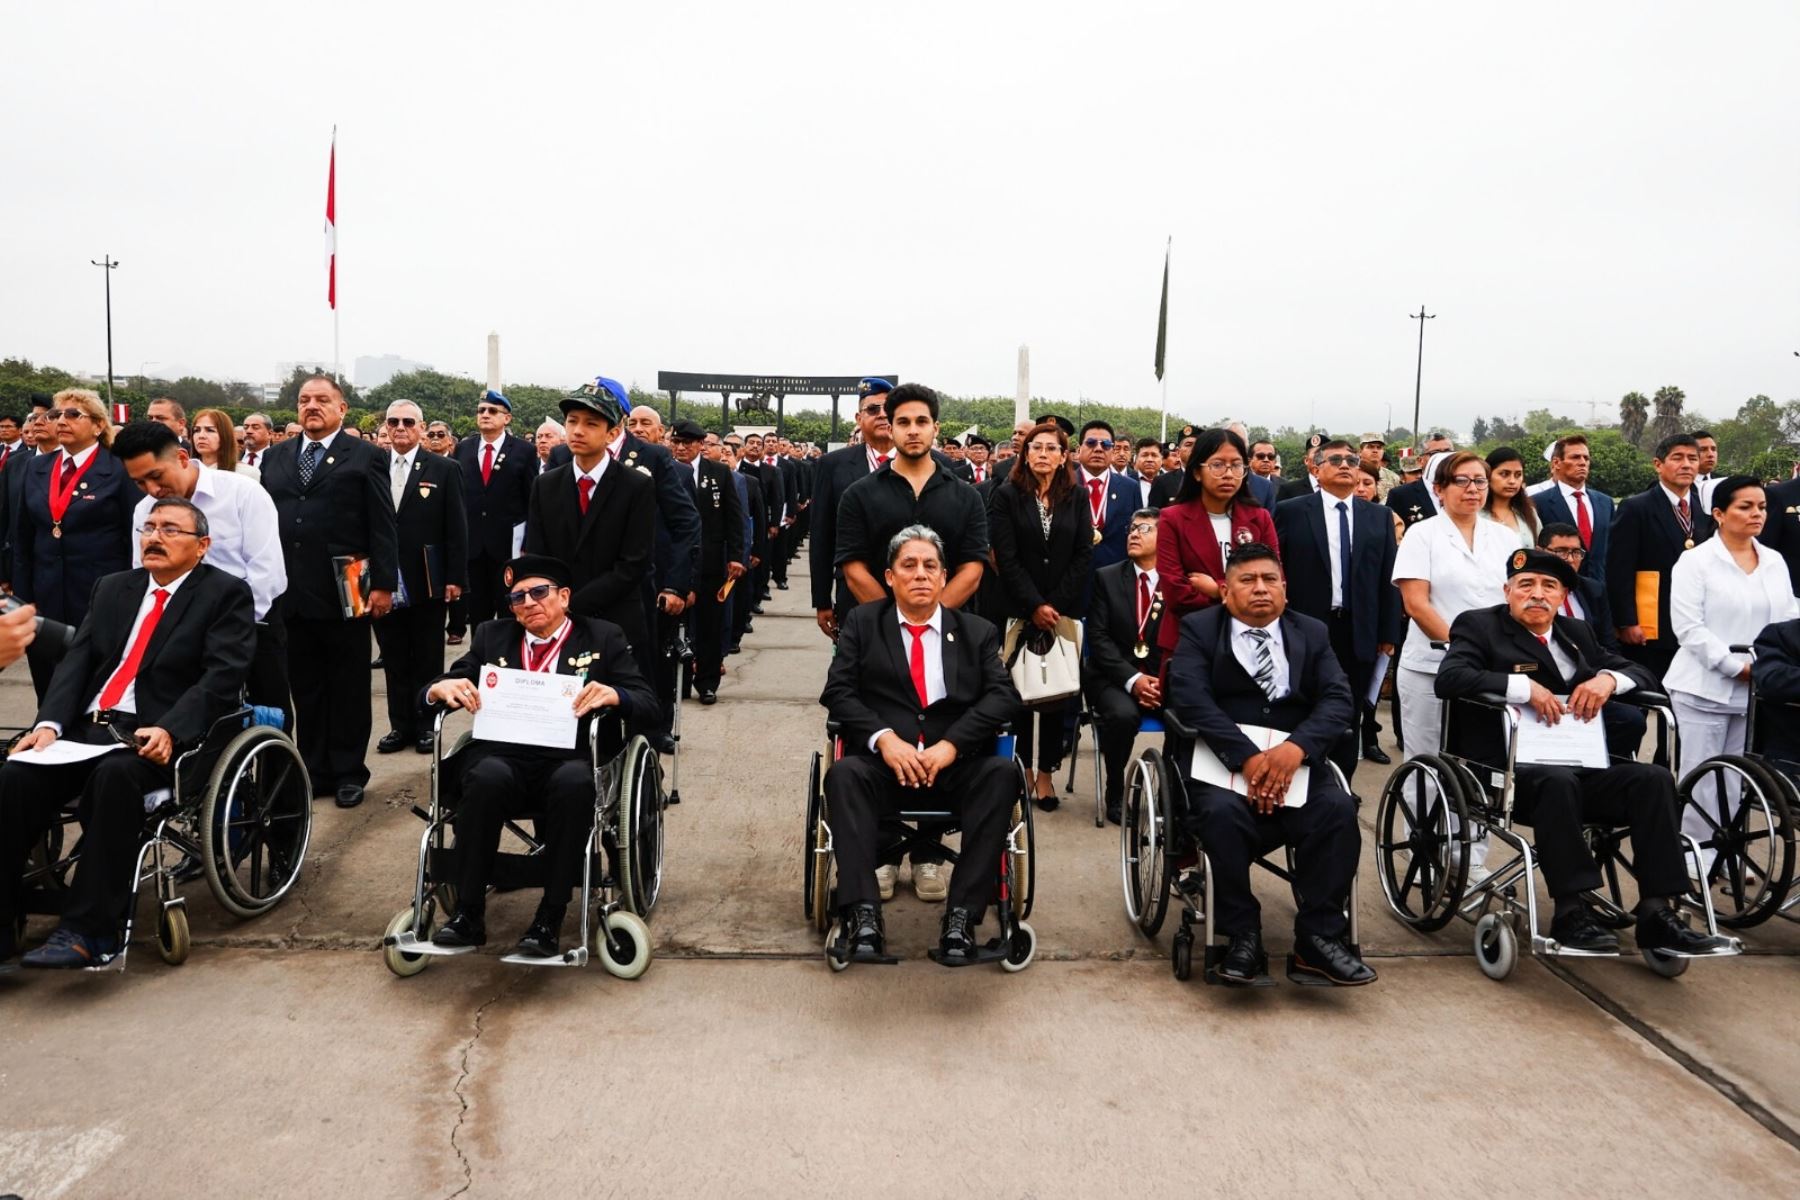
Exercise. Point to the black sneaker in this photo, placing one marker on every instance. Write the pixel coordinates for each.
(956, 938)
(1662, 929)
(1576, 929)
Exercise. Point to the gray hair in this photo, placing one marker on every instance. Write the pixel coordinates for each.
(412, 404)
(263, 417)
(914, 533)
(188, 506)
(554, 427)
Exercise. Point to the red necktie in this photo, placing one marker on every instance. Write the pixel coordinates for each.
(881, 460)
(1095, 490)
(114, 691)
(1543, 640)
(980, 472)
(1583, 523)
(1143, 599)
(1568, 604)
(487, 464)
(917, 662)
(587, 490)
(5, 453)
(1687, 522)
(249, 459)
(540, 653)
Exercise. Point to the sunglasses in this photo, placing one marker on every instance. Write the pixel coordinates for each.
(67, 414)
(402, 422)
(490, 409)
(1102, 443)
(1263, 456)
(871, 410)
(535, 593)
(1340, 460)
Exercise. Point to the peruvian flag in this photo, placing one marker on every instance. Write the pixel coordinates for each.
(121, 414)
(331, 222)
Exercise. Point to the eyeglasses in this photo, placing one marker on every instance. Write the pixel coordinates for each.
(1225, 468)
(1143, 527)
(1263, 456)
(535, 593)
(871, 410)
(402, 422)
(1340, 460)
(490, 409)
(67, 414)
(1572, 553)
(1102, 443)
(168, 531)
(1476, 482)
(437, 433)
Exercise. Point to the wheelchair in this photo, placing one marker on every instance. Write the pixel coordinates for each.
(1436, 805)
(680, 651)
(922, 828)
(1148, 722)
(621, 872)
(238, 814)
(1752, 874)
(1160, 861)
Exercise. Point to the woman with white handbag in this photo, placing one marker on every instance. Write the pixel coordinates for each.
(1043, 540)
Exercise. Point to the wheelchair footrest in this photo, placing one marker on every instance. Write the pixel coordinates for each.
(410, 943)
(576, 956)
(1212, 975)
(991, 951)
(1723, 946)
(1551, 948)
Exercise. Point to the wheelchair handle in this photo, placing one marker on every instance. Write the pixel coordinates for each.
(1174, 724)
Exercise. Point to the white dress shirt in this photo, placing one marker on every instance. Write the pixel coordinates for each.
(128, 702)
(1332, 550)
(399, 471)
(933, 642)
(1245, 648)
(1461, 578)
(1518, 687)
(75, 461)
(532, 644)
(1153, 579)
(1714, 605)
(1693, 499)
(324, 444)
(246, 534)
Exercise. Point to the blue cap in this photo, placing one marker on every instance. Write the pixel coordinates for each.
(873, 385)
(490, 396)
(617, 389)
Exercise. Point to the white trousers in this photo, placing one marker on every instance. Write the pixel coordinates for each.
(1421, 724)
(1704, 735)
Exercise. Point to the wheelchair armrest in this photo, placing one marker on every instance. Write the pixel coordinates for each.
(1742, 648)
(1484, 699)
(230, 723)
(1437, 645)
(1644, 698)
(1174, 724)
(834, 728)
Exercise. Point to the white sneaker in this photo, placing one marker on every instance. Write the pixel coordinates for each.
(885, 878)
(931, 882)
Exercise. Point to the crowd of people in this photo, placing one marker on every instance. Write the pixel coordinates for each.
(1189, 578)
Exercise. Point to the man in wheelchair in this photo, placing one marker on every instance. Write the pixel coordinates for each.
(162, 655)
(502, 780)
(1240, 668)
(1776, 677)
(1523, 650)
(918, 693)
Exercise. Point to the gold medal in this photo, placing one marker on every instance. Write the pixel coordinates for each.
(1096, 537)
(56, 529)
(1689, 544)
(1140, 651)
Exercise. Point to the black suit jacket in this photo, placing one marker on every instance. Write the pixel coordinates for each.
(1781, 532)
(1647, 537)
(715, 497)
(193, 670)
(1776, 677)
(12, 485)
(1112, 630)
(1034, 570)
(1293, 489)
(608, 549)
(677, 522)
(1412, 501)
(495, 507)
(1598, 612)
(594, 646)
(345, 511)
(1164, 489)
(432, 512)
(1374, 601)
(1488, 647)
(960, 468)
(869, 687)
(58, 574)
(834, 474)
(759, 515)
(773, 488)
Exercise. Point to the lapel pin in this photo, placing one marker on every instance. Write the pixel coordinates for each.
(949, 637)
(329, 461)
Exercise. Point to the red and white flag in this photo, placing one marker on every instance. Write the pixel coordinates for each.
(121, 414)
(331, 223)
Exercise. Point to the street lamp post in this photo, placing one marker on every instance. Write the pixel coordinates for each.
(107, 262)
(1419, 378)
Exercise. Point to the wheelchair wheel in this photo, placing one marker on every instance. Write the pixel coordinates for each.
(1020, 951)
(1422, 841)
(1181, 956)
(1496, 946)
(1023, 867)
(44, 859)
(623, 944)
(172, 939)
(398, 961)
(640, 828)
(1753, 840)
(815, 806)
(1668, 966)
(1144, 866)
(821, 864)
(255, 822)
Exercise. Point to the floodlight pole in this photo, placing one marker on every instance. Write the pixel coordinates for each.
(1419, 378)
(107, 262)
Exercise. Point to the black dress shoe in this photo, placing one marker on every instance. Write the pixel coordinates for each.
(1329, 958)
(391, 742)
(349, 795)
(956, 938)
(464, 929)
(736, 648)
(1376, 754)
(707, 695)
(756, 610)
(424, 744)
(1574, 926)
(544, 937)
(665, 744)
(1245, 959)
(781, 584)
(189, 868)
(1661, 928)
(1049, 803)
(863, 931)
(1115, 812)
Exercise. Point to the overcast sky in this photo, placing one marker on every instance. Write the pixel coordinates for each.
(1592, 197)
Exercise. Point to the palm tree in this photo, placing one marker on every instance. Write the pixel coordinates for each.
(1634, 413)
(1668, 401)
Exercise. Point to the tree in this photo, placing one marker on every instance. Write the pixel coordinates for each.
(1617, 466)
(1478, 432)
(1634, 413)
(1667, 422)
(290, 389)
(1502, 430)
(1543, 421)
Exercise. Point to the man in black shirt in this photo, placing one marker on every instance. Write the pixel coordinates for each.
(914, 489)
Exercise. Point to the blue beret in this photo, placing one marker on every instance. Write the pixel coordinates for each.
(491, 396)
(873, 385)
(617, 389)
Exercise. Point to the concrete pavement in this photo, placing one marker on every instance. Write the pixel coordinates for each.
(284, 1060)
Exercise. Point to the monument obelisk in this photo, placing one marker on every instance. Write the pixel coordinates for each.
(493, 363)
(1022, 398)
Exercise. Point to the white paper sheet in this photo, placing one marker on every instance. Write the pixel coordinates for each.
(1206, 767)
(62, 752)
(1571, 742)
(527, 708)
(518, 539)
(1376, 677)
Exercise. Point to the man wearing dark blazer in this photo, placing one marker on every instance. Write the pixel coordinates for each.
(1122, 675)
(833, 476)
(498, 470)
(332, 501)
(774, 505)
(1652, 530)
(501, 780)
(1251, 663)
(1338, 552)
(722, 555)
(598, 517)
(1168, 484)
(1567, 497)
(776, 453)
(1524, 651)
(1781, 531)
(432, 520)
(1776, 676)
(40, 438)
(1111, 497)
(917, 693)
(162, 654)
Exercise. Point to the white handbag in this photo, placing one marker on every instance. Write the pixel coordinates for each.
(1044, 664)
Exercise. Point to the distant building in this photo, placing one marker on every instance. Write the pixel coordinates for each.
(371, 371)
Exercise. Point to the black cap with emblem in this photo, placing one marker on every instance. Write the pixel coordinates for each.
(1541, 562)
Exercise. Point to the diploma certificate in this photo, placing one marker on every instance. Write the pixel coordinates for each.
(1571, 742)
(527, 708)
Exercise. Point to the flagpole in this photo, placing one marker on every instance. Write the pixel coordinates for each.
(337, 358)
(1162, 340)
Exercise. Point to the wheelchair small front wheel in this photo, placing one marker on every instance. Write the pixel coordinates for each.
(398, 961)
(1496, 946)
(173, 941)
(1669, 966)
(623, 944)
(1022, 948)
(1181, 956)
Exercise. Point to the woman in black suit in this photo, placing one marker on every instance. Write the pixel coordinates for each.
(1043, 542)
(73, 522)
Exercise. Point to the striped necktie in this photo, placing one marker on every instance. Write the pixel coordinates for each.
(1265, 661)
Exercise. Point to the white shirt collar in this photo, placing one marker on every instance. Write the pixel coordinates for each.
(1151, 575)
(530, 640)
(616, 446)
(1087, 475)
(406, 458)
(495, 440)
(204, 486)
(935, 621)
(169, 587)
(1273, 629)
(596, 473)
(82, 457)
(1675, 500)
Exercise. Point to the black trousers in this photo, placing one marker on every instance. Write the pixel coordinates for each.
(706, 630)
(412, 655)
(1347, 751)
(743, 598)
(1326, 841)
(1117, 716)
(1656, 657)
(328, 667)
(497, 786)
(112, 790)
(781, 550)
(484, 598)
(860, 790)
(267, 683)
(1557, 801)
(663, 671)
(1050, 722)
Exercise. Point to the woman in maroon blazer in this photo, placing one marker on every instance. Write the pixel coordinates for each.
(1212, 513)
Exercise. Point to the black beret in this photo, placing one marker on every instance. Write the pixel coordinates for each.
(685, 430)
(540, 566)
(1062, 423)
(1541, 562)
